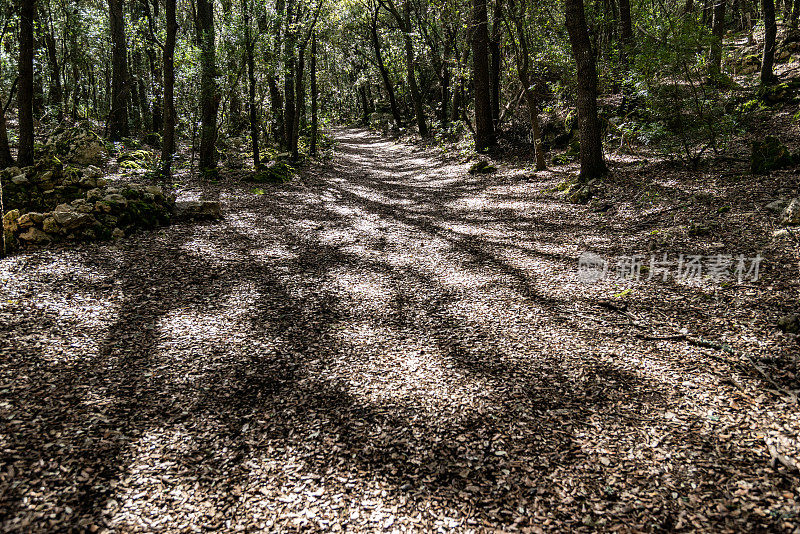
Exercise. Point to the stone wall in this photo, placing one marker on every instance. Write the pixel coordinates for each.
(50, 203)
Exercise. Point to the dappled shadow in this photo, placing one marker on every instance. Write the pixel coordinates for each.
(365, 349)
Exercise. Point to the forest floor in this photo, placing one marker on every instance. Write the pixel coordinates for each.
(389, 343)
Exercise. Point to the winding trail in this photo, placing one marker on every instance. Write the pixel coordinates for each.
(387, 343)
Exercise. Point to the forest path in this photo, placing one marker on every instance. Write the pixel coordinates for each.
(385, 343)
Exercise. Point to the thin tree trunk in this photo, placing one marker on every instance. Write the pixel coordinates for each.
(251, 78)
(387, 83)
(416, 96)
(56, 92)
(25, 155)
(168, 146)
(314, 111)
(288, 86)
(484, 127)
(591, 155)
(770, 34)
(209, 100)
(118, 117)
(6, 159)
(300, 101)
(496, 61)
(718, 31)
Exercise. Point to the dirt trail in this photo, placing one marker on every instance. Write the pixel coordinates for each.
(387, 343)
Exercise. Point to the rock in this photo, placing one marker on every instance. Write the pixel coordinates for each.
(20, 179)
(791, 215)
(117, 233)
(198, 210)
(769, 155)
(94, 194)
(89, 182)
(82, 206)
(11, 221)
(12, 171)
(789, 323)
(50, 225)
(115, 200)
(77, 144)
(35, 236)
(777, 205)
(66, 216)
(29, 219)
(782, 234)
(93, 172)
(482, 167)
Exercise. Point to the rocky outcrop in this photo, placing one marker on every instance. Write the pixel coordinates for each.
(78, 145)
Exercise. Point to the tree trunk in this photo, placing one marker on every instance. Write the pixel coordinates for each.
(27, 12)
(300, 101)
(770, 34)
(314, 111)
(56, 92)
(168, 143)
(276, 105)
(484, 127)
(118, 117)
(251, 89)
(209, 100)
(6, 159)
(416, 96)
(625, 31)
(387, 83)
(288, 86)
(591, 156)
(496, 61)
(718, 31)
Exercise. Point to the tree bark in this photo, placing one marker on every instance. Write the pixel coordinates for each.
(626, 31)
(718, 31)
(591, 155)
(118, 117)
(209, 99)
(288, 86)
(416, 96)
(496, 61)
(314, 111)
(56, 92)
(484, 127)
(387, 82)
(168, 142)
(770, 35)
(251, 89)
(300, 101)
(27, 12)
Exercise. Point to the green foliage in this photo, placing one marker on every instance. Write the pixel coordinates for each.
(277, 172)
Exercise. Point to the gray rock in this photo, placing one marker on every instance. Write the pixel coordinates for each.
(198, 210)
(35, 236)
(50, 225)
(791, 215)
(117, 233)
(20, 179)
(66, 216)
(115, 199)
(30, 219)
(11, 221)
(93, 172)
(777, 205)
